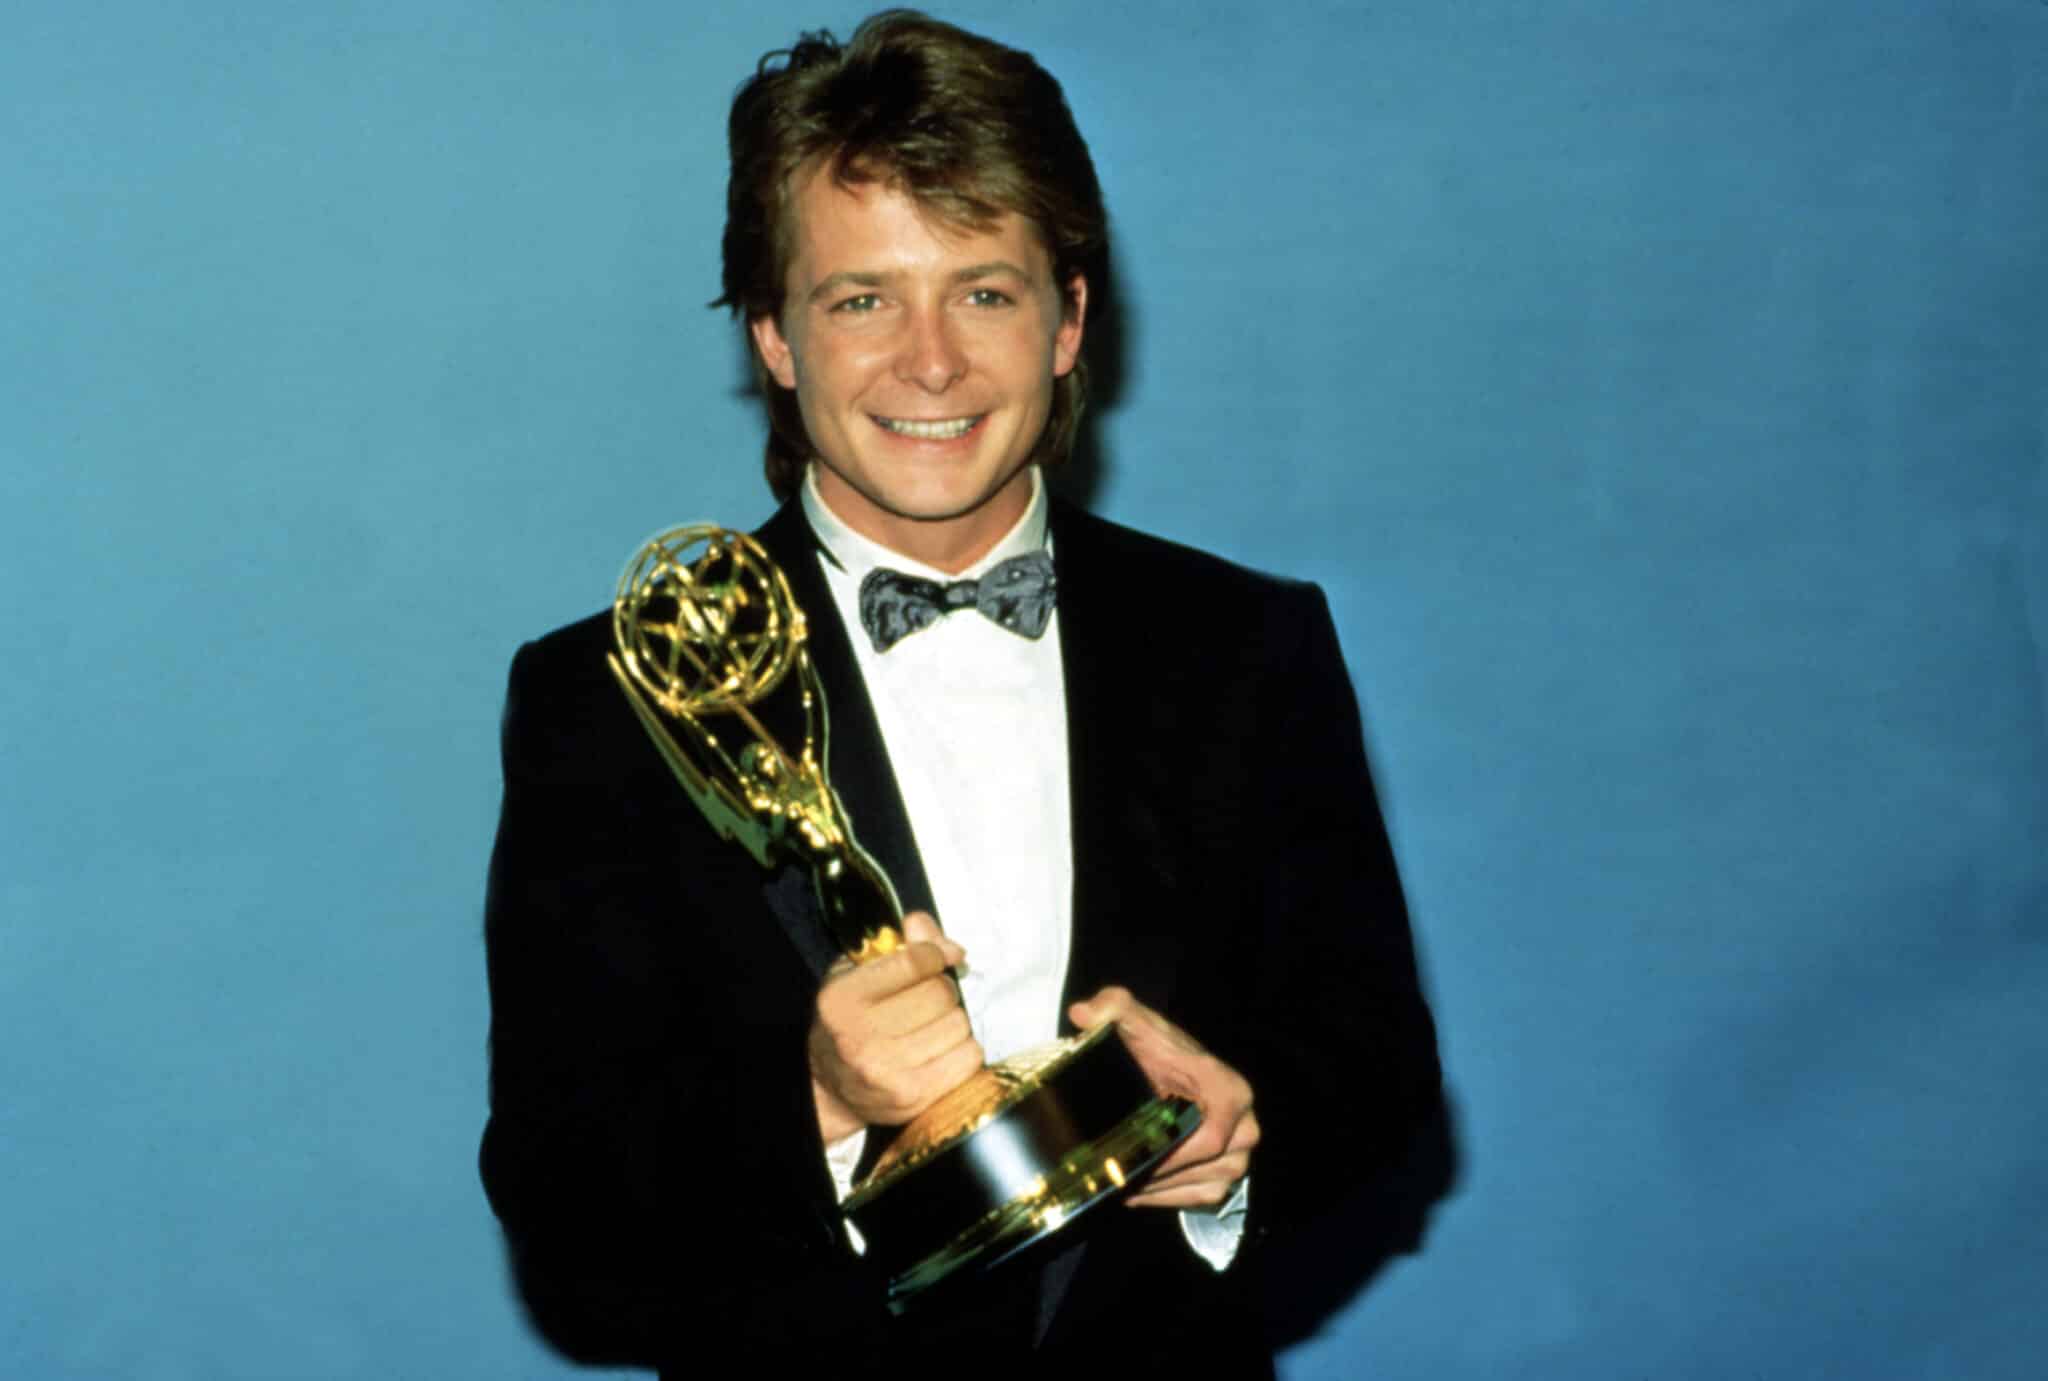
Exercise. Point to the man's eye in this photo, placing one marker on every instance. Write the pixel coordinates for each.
(989, 297)
(864, 302)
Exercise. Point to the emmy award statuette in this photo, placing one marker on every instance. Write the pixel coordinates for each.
(706, 630)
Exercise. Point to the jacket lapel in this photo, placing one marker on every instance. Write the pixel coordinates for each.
(856, 759)
(1118, 749)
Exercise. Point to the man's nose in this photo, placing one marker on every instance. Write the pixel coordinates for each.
(932, 356)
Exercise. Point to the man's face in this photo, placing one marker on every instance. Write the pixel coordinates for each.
(923, 360)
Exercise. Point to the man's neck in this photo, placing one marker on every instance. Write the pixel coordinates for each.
(857, 545)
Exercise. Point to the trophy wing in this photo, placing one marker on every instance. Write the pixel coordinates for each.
(718, 802)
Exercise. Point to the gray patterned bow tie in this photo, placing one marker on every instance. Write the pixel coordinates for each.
(1016, 593)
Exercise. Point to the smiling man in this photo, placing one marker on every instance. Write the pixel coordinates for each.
(923, 358)
(1114, 780)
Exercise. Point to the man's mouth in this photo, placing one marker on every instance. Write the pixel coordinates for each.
(947, 430)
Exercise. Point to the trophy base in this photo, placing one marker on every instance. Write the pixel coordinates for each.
(1012, 1156)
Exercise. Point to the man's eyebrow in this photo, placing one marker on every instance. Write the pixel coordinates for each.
(994, 268)
(835, 283)
(844, 279)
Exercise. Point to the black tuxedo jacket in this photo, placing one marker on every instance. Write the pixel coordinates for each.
(652, 1150)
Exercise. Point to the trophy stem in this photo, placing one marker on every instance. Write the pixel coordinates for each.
(859, 904)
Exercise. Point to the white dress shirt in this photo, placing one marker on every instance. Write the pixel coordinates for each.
(975, 719)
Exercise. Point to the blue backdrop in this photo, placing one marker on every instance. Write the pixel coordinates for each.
(1658, 389)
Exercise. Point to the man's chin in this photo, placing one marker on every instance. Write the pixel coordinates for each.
(933, 499)
(940, 525)
(1000, 504)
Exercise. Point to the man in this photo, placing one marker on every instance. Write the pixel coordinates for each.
(1148, 798)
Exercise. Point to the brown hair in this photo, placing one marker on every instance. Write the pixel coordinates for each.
(967, 128)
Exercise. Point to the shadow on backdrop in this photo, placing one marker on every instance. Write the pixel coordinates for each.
(1106, 350)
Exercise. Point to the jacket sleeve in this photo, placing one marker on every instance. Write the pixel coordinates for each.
(1341, 1049)
(651, 1151)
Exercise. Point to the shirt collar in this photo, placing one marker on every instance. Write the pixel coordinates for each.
(857, 555)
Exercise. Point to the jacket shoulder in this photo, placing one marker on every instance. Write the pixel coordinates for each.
(564, 712)
(1222, 590)
(572, 645)
(1107, 538)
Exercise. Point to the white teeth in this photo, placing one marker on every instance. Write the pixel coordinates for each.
(929, 431)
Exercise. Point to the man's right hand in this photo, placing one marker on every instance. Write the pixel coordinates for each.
(890, 1037)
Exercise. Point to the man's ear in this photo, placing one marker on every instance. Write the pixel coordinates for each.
(776, 356)
(1066, 341)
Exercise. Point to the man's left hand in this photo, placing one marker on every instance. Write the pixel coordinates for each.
(1203, 1169)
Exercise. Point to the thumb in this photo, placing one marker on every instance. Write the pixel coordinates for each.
(1106, 1006)
(919, 927)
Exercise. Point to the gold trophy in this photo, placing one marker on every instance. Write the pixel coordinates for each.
(708, 634)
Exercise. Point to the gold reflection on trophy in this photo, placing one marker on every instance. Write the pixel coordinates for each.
(705, 624)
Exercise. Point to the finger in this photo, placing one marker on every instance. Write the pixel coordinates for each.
(1213, 1181)
(932, 1041)
(914, 1090)
(926, 950)
(1228, 1124)
(1208, 1142)
(1208, 1194)
(953, 1068)
(913, 1008)
(1142, 1028)
(920, 927)
(1226, 1168)
(881, 1049)
(911, 965)
(1106, 1006)
(1230, 1166)
(921, 960)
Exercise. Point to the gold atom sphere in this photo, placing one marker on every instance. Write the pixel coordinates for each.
(705, 620)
